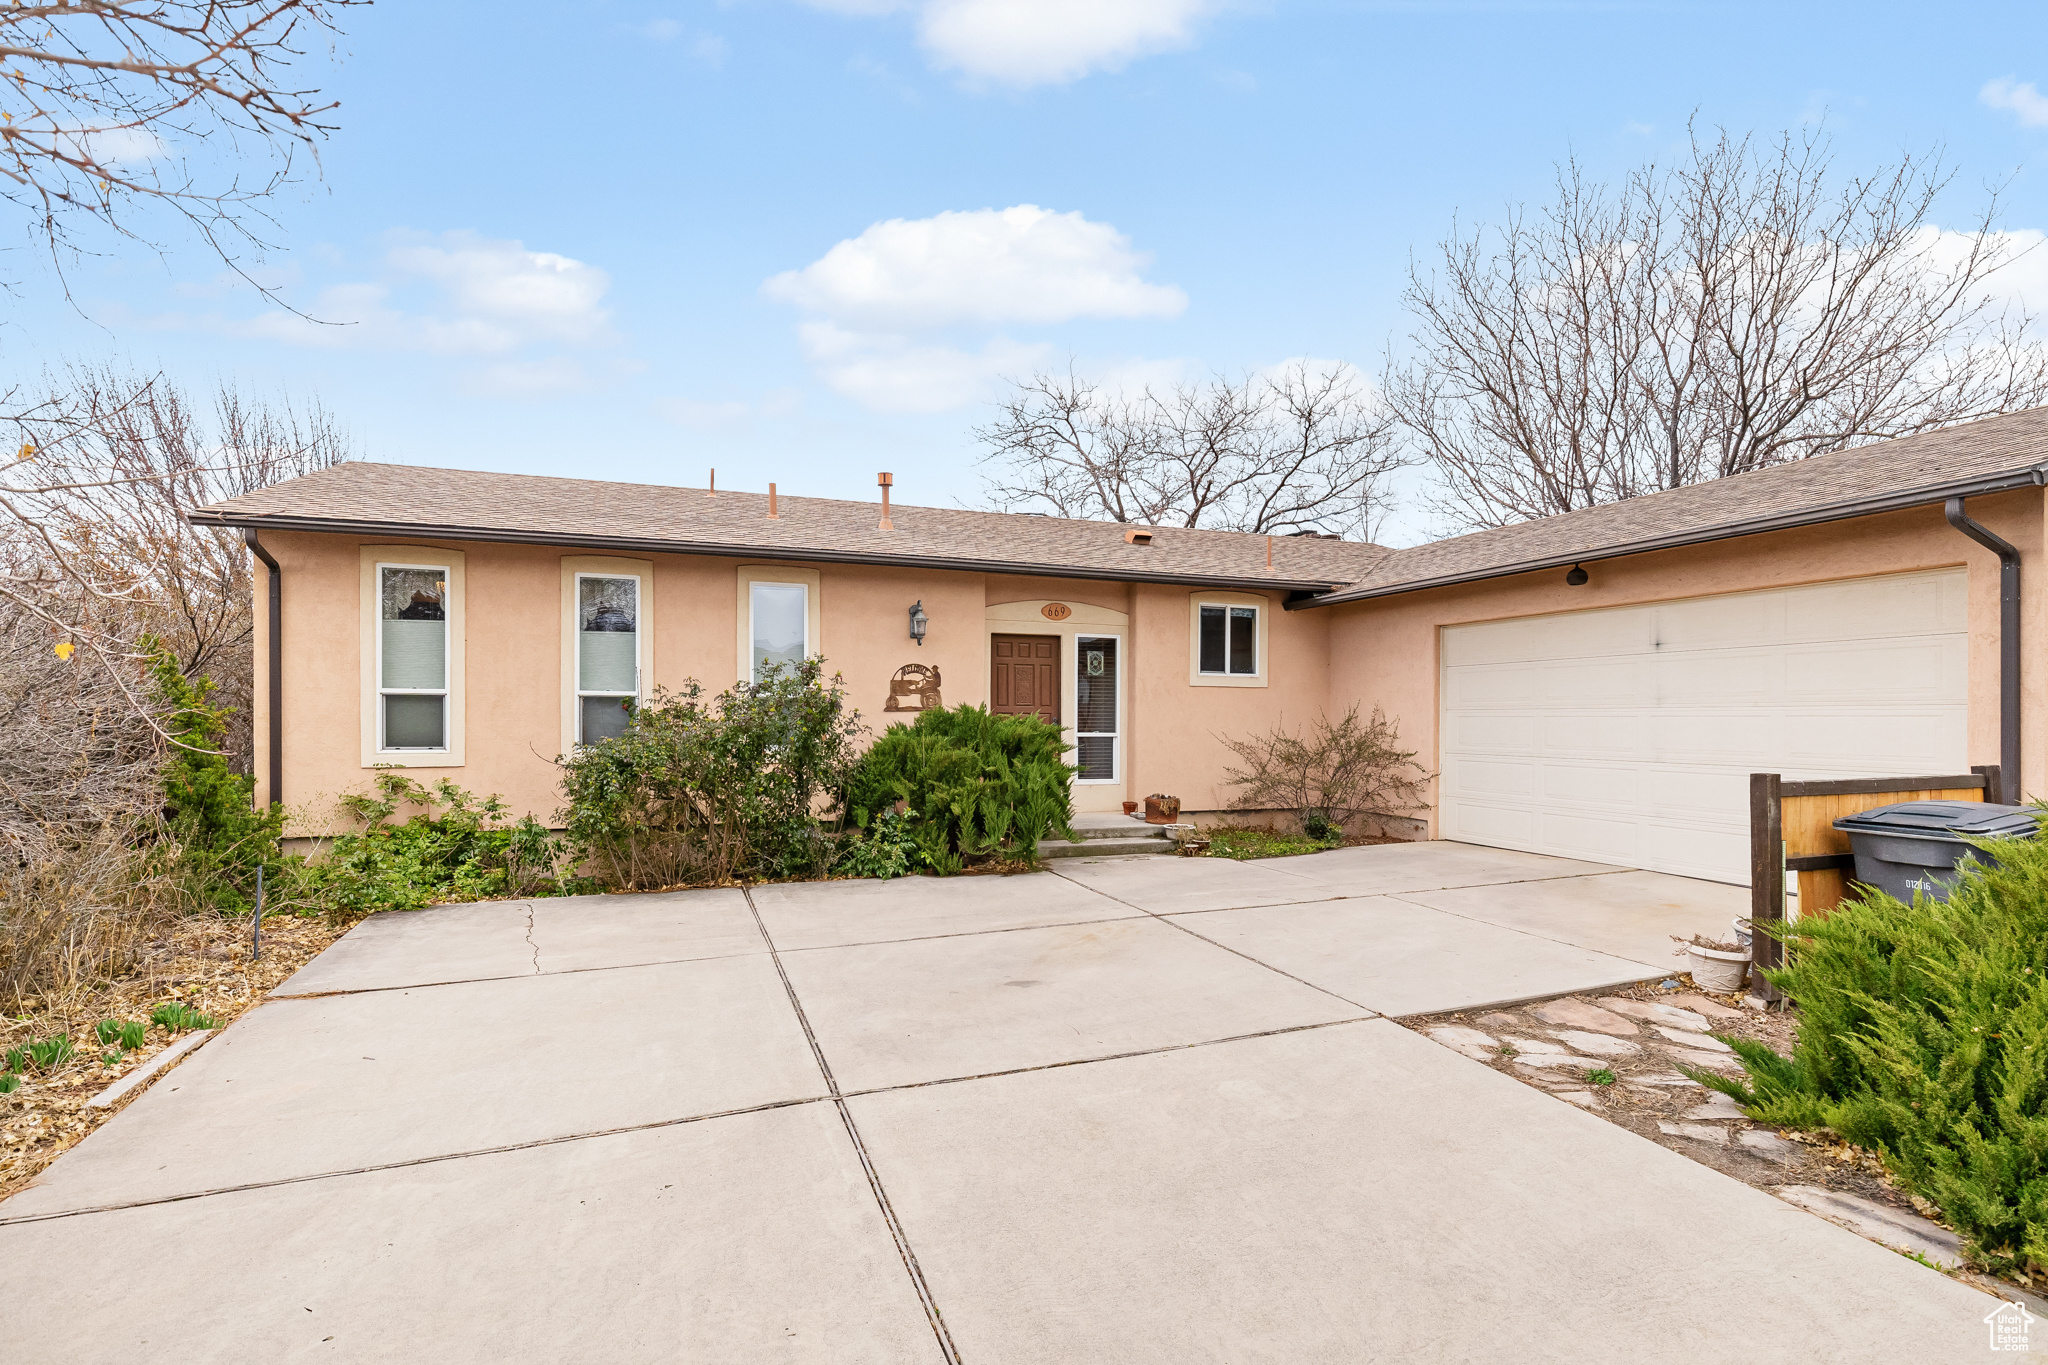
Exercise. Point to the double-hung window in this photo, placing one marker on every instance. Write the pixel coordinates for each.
(778, 626)
(412, 657)
(1096, 682)
(1229, 643)
(607, 654)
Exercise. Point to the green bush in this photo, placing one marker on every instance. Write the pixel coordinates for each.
(697, 791)
(887, 848)
(456, 849)
(971, 782)
(217, 837)
(1923, 1036)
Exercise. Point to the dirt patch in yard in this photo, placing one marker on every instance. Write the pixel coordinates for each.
(204, 964)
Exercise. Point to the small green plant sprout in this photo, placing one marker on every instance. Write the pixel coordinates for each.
(1507, 1050)
(134, 1033)
(178, 1017)
(112, 1058)
(50, 1053)
(1600, 1076)
(107, 1030)
(9, 1083)
(17, 1060)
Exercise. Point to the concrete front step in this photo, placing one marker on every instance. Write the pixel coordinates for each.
(1092, 845)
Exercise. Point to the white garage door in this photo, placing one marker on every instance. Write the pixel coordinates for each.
(1628, 735)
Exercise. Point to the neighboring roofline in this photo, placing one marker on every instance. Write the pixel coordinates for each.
(2036, 476)
(337, 526)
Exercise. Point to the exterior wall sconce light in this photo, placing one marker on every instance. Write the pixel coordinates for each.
(1577, 577)
(918, 621)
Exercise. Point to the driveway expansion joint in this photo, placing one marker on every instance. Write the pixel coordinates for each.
(860, 1148)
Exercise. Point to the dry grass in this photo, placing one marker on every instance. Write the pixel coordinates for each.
(201, 961)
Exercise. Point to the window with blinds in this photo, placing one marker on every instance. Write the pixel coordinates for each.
(412, 657)
(1096, 684)
(607, 655)
(780, 626)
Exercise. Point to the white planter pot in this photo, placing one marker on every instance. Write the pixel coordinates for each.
(1714, 970)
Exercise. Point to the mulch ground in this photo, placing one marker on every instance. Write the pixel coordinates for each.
(204, 963)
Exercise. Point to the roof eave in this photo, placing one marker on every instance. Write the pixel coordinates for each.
(335, 526)
(2034, 477)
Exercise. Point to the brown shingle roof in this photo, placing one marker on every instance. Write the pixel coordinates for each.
(1981, 457)
(460, 504)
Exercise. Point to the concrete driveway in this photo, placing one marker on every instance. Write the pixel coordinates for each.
(1140, 1109)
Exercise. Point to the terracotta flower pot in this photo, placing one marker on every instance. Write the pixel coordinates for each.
(1130, 808)
(1161, 809)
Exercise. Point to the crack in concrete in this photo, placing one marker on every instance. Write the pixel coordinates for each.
(529, 939)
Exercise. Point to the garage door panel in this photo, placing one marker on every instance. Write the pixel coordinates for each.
(1494, 685)
(1589, 785)
(1480, 777)
(1716, 677)
(1714, 623)
(1593, 734)
(1872, 608)
(1627, 735)
(1886, 670)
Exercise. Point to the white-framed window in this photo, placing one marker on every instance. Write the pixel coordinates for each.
(778, 625)
(1227, 643)
(412, 664)
(1098, 706)
(607, 654)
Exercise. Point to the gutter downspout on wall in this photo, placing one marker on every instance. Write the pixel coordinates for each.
(2008, 647)
(273, 636)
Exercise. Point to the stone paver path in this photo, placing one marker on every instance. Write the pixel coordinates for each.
(1143, 1110)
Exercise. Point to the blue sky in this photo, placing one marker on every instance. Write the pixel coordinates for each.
(606, 240)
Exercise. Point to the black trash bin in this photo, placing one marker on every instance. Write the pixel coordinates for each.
(1919, 845)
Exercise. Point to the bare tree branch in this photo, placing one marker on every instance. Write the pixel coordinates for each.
(1744, 308)
(107, 105)
(1301, 449)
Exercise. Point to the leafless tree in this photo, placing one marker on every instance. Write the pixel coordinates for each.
(94, 544)
(1743, 308)
(106, 105)
(1302, 448)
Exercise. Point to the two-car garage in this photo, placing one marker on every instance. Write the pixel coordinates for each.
(1626, 735)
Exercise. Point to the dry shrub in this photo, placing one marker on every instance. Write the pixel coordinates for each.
(76, 912)
(1333, 772)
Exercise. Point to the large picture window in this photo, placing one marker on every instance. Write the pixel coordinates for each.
(1230, 640)
(779, 617)
(607, 655)
(1096, 684)
(412, 657)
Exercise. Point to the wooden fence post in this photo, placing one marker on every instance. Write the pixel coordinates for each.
(1766, 877)
(1994, 786)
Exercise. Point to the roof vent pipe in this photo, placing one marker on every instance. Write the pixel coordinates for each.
(772, 513)
(886, 481)
(2008, 650)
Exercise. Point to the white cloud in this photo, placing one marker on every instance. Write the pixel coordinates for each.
(480, 296)
(878, 299)
(900, 374)
(1049, 42)
(2021, 99)
(1022, 43)
(1022, 264)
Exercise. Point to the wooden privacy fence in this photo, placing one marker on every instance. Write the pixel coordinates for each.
(1792, 831)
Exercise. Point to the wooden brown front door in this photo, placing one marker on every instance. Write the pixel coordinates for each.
(1024, 675)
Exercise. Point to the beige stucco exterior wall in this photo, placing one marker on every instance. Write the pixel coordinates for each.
(513, 637)
(1385, 652)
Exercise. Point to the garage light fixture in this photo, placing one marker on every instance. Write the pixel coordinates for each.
(1577, 577)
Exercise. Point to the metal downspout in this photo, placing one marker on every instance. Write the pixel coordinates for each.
(273, 635)
(2008, 647)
